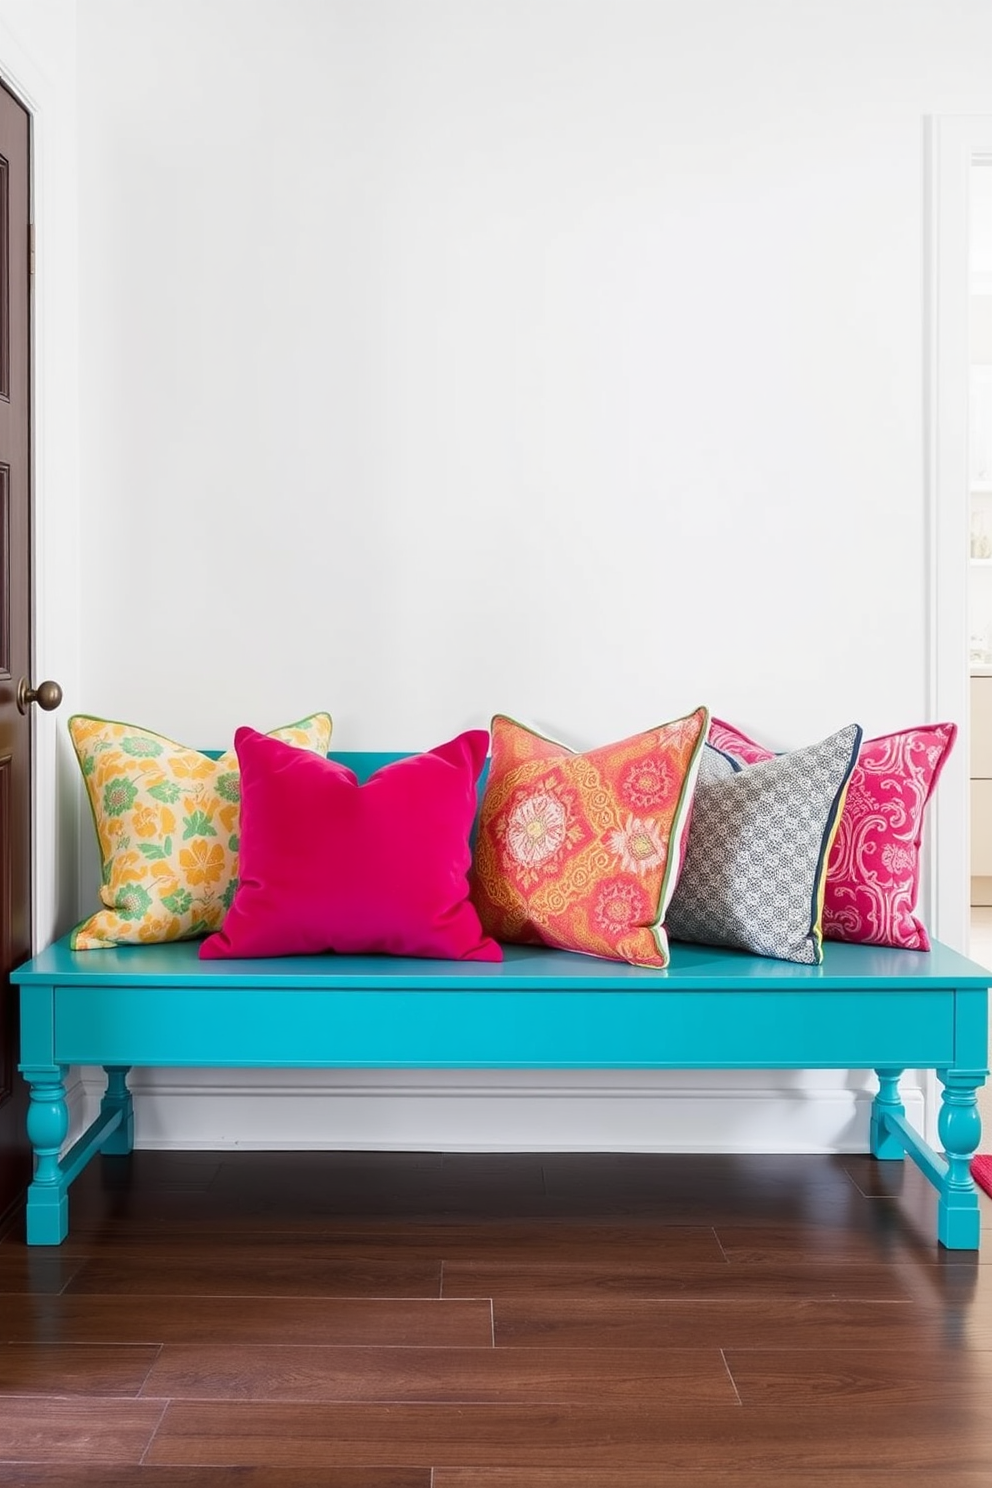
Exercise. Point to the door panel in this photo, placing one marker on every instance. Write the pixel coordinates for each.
(15, 630)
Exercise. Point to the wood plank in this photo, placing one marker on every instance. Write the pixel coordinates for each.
(759, 1322)
(744, 1182)
(171, 1211)
(700, 1281)
(253, 1166)
(336, 1174)
(229, 1321)
(716, 1477)
(262, 1211)
(188, 1171)
(836, 1377)
(346, 1176)
(959, 1289)
(255, 1276)
(841, 1210)
(74, 1369)
(668, 1439)
(79, 1475)
(782, 1243)
(35, 1429)
(477, 1376)
(35, 1270)
(398, 1240)
(953, 1279)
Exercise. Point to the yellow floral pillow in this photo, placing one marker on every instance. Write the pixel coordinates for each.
(167, 819)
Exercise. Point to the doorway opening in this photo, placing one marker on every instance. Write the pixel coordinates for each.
(958, 148)
(980, 554)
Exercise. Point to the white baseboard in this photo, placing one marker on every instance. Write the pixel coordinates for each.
(504, 1111)
(83, 1093)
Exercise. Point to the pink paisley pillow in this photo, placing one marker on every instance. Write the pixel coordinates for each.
(327, 864)
(873, 873)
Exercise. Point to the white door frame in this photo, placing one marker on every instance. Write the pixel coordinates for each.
(953, 143)
(48, 94)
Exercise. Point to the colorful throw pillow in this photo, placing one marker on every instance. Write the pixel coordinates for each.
(756, 859)
(582, 851)
(167, 821)
(331, 865)
(873, 874)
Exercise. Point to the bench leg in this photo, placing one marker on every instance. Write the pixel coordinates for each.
(960, 1129)
(882, 1143)
(48, 1123)
(118, 1098)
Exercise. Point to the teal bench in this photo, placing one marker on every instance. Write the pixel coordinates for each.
(864, 1008)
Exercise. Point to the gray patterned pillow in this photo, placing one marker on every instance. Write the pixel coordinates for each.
(759, 840)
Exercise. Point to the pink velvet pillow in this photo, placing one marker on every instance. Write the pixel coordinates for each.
(873, 872)
(327, 864)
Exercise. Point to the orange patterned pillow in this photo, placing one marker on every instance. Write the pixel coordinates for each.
(583, 851)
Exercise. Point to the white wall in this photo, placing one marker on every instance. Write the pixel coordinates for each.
(564, 359)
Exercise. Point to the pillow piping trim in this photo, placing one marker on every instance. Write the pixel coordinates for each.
(142, 729)
(826, 845)
(677, 835)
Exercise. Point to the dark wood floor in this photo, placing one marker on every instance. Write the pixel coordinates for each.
(348, 1320)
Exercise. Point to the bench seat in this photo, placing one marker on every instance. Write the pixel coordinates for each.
(864, 1007)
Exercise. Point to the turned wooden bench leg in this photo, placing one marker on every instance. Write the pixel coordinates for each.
(882, 1142)
(959, 1126)
(48, 1123)
(118, 1098)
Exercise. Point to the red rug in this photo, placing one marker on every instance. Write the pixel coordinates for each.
(981, 1171)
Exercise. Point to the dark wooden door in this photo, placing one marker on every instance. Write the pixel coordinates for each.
(15, 630)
